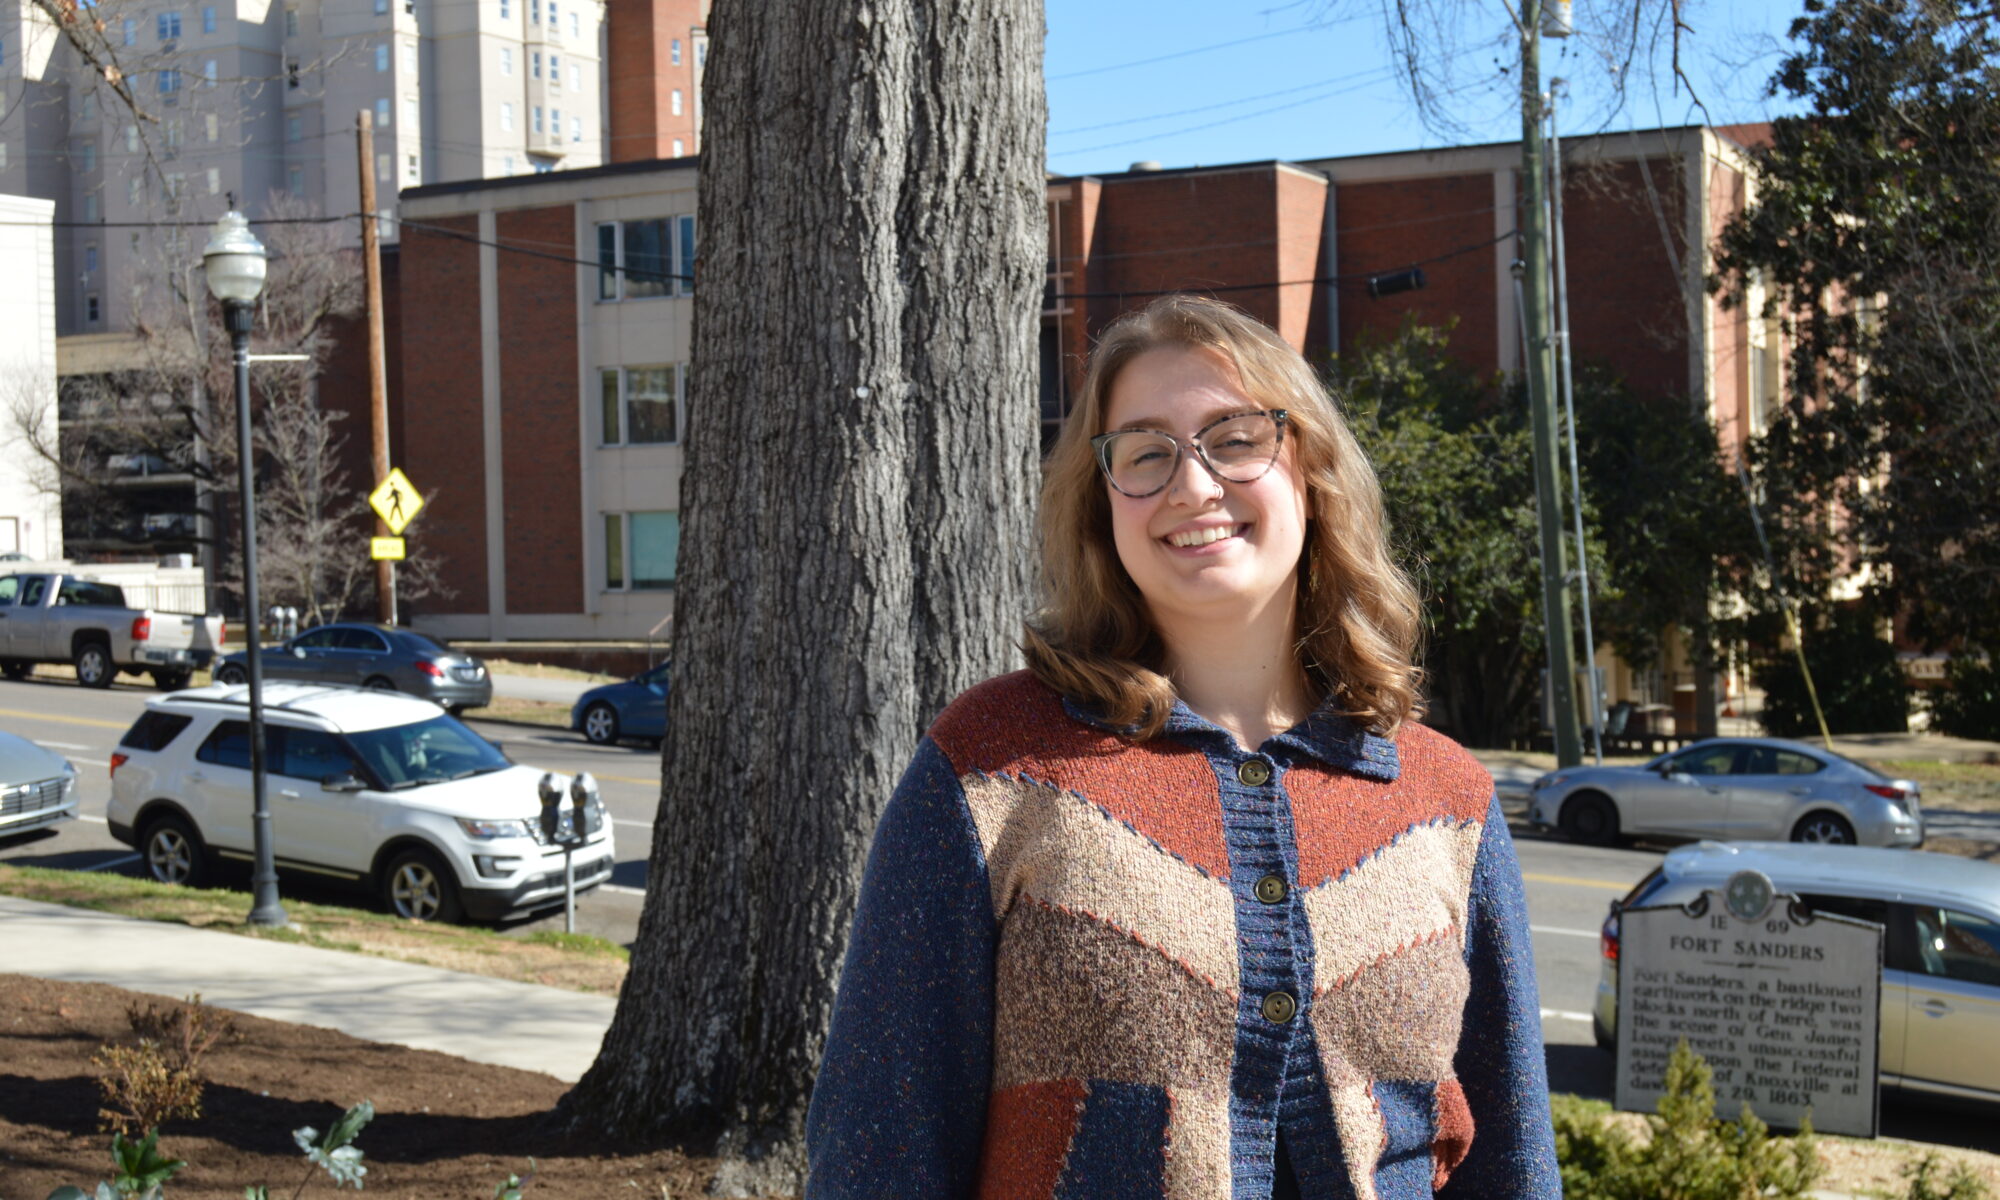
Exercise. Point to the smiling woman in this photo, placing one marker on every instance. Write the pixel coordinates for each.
(1196, 879)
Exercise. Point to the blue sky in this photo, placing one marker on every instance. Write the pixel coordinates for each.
(1312, 79)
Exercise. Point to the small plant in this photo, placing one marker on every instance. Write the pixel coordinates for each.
(159, 1079)
(1929, 1180)
(332, 1151)
(141, 1172)
(1690, 1155)
(515, 1184)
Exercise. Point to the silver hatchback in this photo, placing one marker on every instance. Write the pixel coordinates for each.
(1735, 788)
(1940, 950)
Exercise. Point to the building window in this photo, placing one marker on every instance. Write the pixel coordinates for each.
(208, 72)
(538, 118)
(89, 198)
(130, 31)
(573, 25)
(169, 84)
(542, 165)
(171, 134)
(410, 172)
(131, 139)
(649, 542)
(291, 22)
(382, 114)
(295, 180)
(214, 182)
(507, 165)
(506, 11)
(208, 18)
(409, 112)
(575, 78)
(638, 260)
(535, 11)
(381, 8)
(382, 168)
(535, 64)
(89, 98)
(90, 257)
(701, 53)
(555, 123)
(552, 16)
(169, 26)
(91, 311)
(506, 117)
(406, 56)
(382, 57)
(576, 129)
(506, 60)
(677, 148)
(555, 70)
(291, 72)
(135, 190)
(212, 126)
(89, 156)
(674, 52)
(674, 102)
(294, 127)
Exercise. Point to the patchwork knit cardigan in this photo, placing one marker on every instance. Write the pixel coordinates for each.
(1089, 968)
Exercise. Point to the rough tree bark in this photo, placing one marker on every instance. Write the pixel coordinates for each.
(857, 507)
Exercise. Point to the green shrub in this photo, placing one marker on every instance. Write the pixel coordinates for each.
(1689, 1155)
(1859, 679)
(1929, 1180)
(1968, 705)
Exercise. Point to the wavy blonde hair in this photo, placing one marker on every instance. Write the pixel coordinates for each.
(1358, 621)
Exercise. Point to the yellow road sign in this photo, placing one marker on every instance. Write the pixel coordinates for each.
(389, 548)
(396, 501)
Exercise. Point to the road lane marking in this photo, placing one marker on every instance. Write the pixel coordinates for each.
(1563, 1014)
(88, 762)
(91, 819)
(626, 779)
(621, 889)
(1589, 933)
(65, 745)
(35, 716)
(1573, 881)
(116, 862)
(639, 824)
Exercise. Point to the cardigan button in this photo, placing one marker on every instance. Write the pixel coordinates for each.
(1279, 1007)
(1254, 773)
(1271, 889)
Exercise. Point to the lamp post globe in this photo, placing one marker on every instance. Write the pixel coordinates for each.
(235, 263)
(234, 260)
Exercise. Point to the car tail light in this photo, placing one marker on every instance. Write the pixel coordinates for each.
(1885, 791)
(1607, 936)
(117, 761)
(142, 628)
(431, 669)
(221, 633)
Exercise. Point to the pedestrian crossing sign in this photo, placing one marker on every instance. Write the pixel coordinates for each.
(396, 501)
(389, 549)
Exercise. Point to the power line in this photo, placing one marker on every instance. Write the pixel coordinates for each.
(1147, 62)
(1185, 112)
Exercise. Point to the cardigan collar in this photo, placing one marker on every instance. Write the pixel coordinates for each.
(1335, 740)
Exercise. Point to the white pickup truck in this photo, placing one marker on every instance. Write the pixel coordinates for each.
(66, 619)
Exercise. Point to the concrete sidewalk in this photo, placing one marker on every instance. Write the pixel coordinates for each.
(486, 1020)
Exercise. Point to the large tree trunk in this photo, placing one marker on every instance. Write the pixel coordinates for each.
(857, 518)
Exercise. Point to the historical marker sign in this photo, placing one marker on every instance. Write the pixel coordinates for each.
(1785, 1005)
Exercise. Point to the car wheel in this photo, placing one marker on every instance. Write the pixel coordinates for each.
(1827, 828)
(1591, 818)
(417, 887)
(14, 668)
(379, 683)
(232, 674)
(174, 853)
(170, 681)
(94, 668)
(600, 724)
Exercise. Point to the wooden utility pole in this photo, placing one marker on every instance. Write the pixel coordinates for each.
(378, 391)
(1541, 393)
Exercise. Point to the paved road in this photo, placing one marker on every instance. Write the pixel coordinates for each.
(1568, 886)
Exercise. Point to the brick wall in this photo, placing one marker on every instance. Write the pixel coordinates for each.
(1387, 226)
(1626, 306)
(641, 76)
(441, 447)
(538, 415)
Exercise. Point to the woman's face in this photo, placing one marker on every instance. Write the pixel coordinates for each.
(1163, 539)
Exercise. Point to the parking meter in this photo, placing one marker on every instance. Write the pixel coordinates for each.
(568, 830)
(291, 621)
(551, 821)
(583, 798)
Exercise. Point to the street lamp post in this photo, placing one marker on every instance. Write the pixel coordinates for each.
(235, 263)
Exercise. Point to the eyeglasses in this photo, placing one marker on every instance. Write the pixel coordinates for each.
(1235, 449)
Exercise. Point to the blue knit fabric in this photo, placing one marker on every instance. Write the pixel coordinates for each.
(901, 1105)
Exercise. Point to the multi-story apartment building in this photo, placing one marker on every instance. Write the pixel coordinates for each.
(258, 100)
(654, 69)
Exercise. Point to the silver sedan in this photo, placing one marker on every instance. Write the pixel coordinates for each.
(37, 786)
(1733, 788)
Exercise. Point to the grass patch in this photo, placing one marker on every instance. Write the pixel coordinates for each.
(1923, 770)
(578, 962)
(524, 712)
(504, 666)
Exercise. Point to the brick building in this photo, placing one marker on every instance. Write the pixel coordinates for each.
(653, 70)
(543, 398)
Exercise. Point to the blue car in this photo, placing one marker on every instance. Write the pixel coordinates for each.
(636, 708)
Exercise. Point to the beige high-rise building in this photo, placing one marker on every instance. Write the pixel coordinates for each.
(258, 99)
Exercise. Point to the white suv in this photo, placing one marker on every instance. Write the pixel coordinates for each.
(380, 790)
